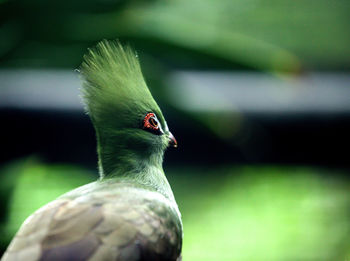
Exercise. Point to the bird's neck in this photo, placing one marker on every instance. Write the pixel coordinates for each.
(122, 164)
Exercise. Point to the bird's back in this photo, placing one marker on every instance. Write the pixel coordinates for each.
(101, 221)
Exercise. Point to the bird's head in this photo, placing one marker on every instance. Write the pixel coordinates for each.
(130, 127)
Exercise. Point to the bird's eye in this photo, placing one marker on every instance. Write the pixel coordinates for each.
(151, 124)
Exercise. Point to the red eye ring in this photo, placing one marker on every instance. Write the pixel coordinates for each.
(150, 123)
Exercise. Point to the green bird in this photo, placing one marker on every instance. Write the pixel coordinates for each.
(130, 213)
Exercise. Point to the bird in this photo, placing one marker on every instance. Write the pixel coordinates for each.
(129, 212)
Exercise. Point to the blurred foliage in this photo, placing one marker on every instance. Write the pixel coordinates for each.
(263, 213)
(270, 35)
(229, 213)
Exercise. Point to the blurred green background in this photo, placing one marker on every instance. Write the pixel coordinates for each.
(256, 92)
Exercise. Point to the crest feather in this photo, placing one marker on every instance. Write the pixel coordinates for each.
(114, 90)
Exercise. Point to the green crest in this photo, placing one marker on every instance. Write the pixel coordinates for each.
(117, 99)
(114, 91)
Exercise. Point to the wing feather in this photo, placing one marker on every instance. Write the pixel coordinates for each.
(103, 227)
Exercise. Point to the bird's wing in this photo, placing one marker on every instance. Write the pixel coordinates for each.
(100, 228)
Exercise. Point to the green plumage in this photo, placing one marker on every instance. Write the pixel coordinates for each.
(130, 213)
(117, 99)
(114, 86)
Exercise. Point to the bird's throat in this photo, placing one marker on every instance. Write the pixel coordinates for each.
(123, 164)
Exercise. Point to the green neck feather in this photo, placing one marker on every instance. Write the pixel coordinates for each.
(117, 100)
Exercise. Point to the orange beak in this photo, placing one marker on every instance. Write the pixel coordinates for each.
(172, 140)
